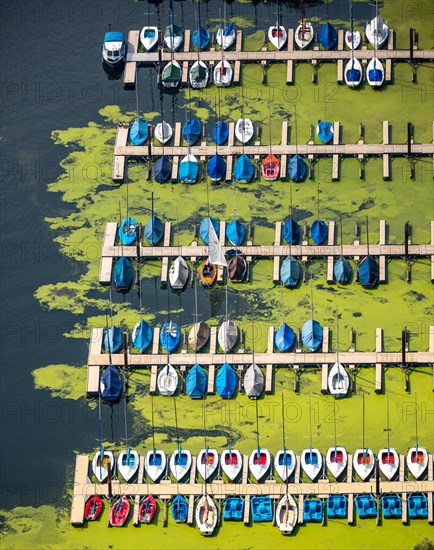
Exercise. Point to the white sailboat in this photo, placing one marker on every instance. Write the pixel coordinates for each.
(228, 335)
(128, 463)
(336, 457)
(163, 132)
(198, 74)
(244, 130)
(304, 33)
(259, 459)
(363, 459)
(311, 459)
(155, 459)
(284, 459)
(376, 30)
(179, 273)
(180, 461)
(352, 37)
(338, 379)
(149, 37)
(277, 34)
(167, 380)
(286, 514)
(417, 457)
(231, 460)
(225, 35)
(353, 72)
(100, 467)
(206, 515)
(388, 458)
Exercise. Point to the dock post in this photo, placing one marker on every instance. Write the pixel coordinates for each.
(269, 368)
(325, 366)
(276, 259)
(382, 259)
(378, 366)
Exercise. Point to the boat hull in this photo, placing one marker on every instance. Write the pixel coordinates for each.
(352, 70)
(93, 508)
(167, 381)
(149, 37)
(311, 463)
(225, 41)
(336, 460)
(180, 468)
(417, 461)
(389, 462)
(147, 509)
(304, 34)
(206, 515)
(244, 130)
(223, 74)
(259, 466)
(375, 73)
(232, 463)
(352, 40)
(338, 380)
(286, 514)
(207, 463)
(363, 463)
(101, 471)
(284, 470)
(277, 35)
(119, 512)
(155, 464)
(163, 132)
(128, 467)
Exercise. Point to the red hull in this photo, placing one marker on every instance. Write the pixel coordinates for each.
(270, 168)
(93, 508)
(147, 509)
(119, 512)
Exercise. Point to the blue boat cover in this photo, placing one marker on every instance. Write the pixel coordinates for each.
(327, 36)
(234, 509)
(128, 230)
(169, 336)
(324, 130)
(229, 29)
(188, 171)
(312, 510)
(112, 382)
(154, 230)
(342, 270)
(200, 38)
(353, 75)
(375, 75)
(196, 382)
(291, 231)
(139, 131)
(191, 130)
(123, 274)
(179, 509)
(143, 336)
(290, 272)
(221, 132)
(162, 169)
(235, 232)
(114, 37)
(112, 341)
(243, 169)
(368, 272)
(337, 506)
(319, 231)
(216, 167)
(297, 168)
(311, 335)
(284, 338)
(226, 381)
(262, 509)
(203, 229)
(392, 507)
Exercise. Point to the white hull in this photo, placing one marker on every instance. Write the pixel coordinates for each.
(173, 42)
(353, 42)
(154, 471)
(244, 130)
(163, 132)
(180, 470)
(284, 471)
(101, 472)
(223, 79)
(128, 470)
(338, 380)
(364, 470)
(286, 514)
(206, 469)
(199, 84)
(417, 467)
(227, 335)
(206, 515)
(231, 470)
(167, 380)
(225, 41)
(303, 39)
(353, 64)
(279, 38)
(336, 468)
(311, 470)
(377, 32)
(149, 37)
(375, 63)
(389, 470)
(179, 273)
(113, 53)
(258, 471)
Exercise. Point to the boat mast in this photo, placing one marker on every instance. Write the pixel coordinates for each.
(334, 422)
(352, 34)
(388, 427)
(101, 446)
(340, 227)
(415, 414)
(257, 432)
(154, 450)
(365, 449)
(206, 446)
(284, 443)
(310, 428)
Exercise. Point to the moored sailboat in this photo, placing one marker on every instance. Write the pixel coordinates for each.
(363, 459)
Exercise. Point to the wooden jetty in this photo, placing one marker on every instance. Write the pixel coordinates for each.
(311, 150)
(276, 251)
(84, 488)
(270, 359)
(264, 57)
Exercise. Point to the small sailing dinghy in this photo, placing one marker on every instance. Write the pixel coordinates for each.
(142, 335)
(179, 509)
(171, 74)
(139, 132)
(226, 381)
(284, 339)
(100, 468)
(93, 508)
(232, 463)
(128, 463)
(244, 130)
(207, 462)
(114, 48)
(270, 168)
(216, 257)
(259, 462)
(311, 335)
(388, 458)
(128, 230)
(226, 36)
(188, 169)
(170, 336)
(149, 37)
(208, 273)
(336, 460)
(286, 514)
(243, 169)
(227, 335)
(223, 74)
(178, 274)
(304, 33)
(111, 386)
(254, 382)
(297, 168)
(377, 31)
(167, 380)
(192, 130)
(363, 459)
(417, 456)
(311, 459)
(375, 73)
(216, 168)
(235, 232)
(352, 37)
(237, 267)
(162, 169)
(324, 131)
(173, 37)
(123, 274)
(196, 382)
(163, 132)
(112, 341)
(198, 336)
(284, 459)
(290, 272)
(119, 512)
(338, 380)
(154, 230)
(198, 75)
(327, 36)
(147, 509)
(180, 463)
(206, 515)
(353, 73)
(155, 464)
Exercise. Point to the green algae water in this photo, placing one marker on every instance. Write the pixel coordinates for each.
(90, 200)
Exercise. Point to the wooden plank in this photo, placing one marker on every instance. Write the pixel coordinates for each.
(284, 158)
(382, 259)
(385, 132)
(175, 168)
(237, 72)
(269, 368)
(300, 509)
(290, 71)
(190, 516)
(153, 383)
(350, 509)
(390, 41)
(386, 167)
(335, 158)
(80, 479)
(229, 163)
(222, 239)
(340, 39)
(239, 42)
(92, 382)
(193, 469)
(404, 505)
(187, 35)
(178, 134)
(340, 75)
(184, 77)
(325, 366)
(388, 72)
(165, 259)
(231, 135)
(136, 510)
(297, 469)
(246, 518)
(245, 476)
(430, 507)
(401, 468)
(131, 66)
(432, 243)
(378, 366)
(350, 468)
(290, 34)
(276, 259)
(330, 242)
(118, 172)
(211, 369)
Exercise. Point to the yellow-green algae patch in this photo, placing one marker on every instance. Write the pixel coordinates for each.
(61, 380)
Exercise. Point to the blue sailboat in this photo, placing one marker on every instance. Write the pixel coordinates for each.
(368, 272)
(216, 167)
(319, 231)
(203, 229)
(220, 132)
(179, 509)
(226, 381)
(128, 230)
(327, 36)
(170, 336)
(111, 385)
(139, 132)
(284, 339)
(291, 231)
(123, 274)
(154, 230)
(162, 169)
(342, 270)
(191, 130)
(112, 341)
(324, 131)
(196, 382)
(290, 272)
(243, 169)
(200, 38)
(235, 232)
(142, 335)
(311, 335)
(297, 168)
(188, 169)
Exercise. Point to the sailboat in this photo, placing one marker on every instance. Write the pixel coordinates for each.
(179, 509)
(179, 272)
(231, 460)
(123, 274)
(270, 167)
(196, 382)
(225, 35)
(259, 459)
(277, 34)
(93, 508)
(342, 270)
(244, 130)
(284, 459)
(128, 460)
(180, 461)
(417, 457)
(155, 459)
(119, 512)
(226, 381)
(336, 457)
(192, 130)
(112, 339)
(103, 461)
(208, 459)
(142, 335)
(388, 458)
(223, 71)
(216, 165)
(286, 514)
(363, 459)
(311, 459)
(173, 34)
(171, 74)
(327, 36)
(352, 38)
(111, 385)
(149, 37)
(200, 331)
(216, 257)
(139, 132)
(243, 168)
(368, 271)
(206, 515)
(319, 229)
(201, 36)
(297, 168)
(199, 71)
(284, 338)
(228, 331)
(167, 379)
(254, 380)
(376, 30)
(304, 33)
(163, 132)
(114, 48)
(325, 130)
(235, 232)
(154, 228)
(291, 229)
(147, 509)
(338, 379)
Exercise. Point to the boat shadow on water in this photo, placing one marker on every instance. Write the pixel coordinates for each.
(113, 73)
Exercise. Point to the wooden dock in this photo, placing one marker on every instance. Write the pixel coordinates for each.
(276, 251)
(269, 359)
(311, 150)
(288, 55)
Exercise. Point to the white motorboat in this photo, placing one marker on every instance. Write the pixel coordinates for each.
(114, 48)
